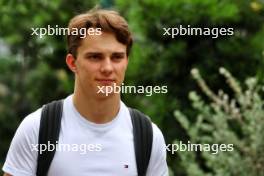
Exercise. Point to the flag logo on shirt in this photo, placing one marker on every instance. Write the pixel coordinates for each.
(126, 166)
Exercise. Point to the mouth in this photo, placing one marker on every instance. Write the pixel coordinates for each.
(105, 81)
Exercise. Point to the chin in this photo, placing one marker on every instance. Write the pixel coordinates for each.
(105, 96)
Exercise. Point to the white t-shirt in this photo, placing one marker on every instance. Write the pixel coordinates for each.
(84, 148)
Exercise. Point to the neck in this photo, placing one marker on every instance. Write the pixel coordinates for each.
(97, 109)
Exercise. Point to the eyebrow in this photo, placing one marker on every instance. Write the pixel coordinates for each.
(92, 53)
(118, 53)
(100, 53)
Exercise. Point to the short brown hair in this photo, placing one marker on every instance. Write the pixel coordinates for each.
(107, 20)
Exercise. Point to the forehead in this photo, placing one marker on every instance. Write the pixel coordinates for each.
(105, 42)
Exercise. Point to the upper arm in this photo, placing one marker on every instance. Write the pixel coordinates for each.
(158, 163)
(6, 174)
(21, 157)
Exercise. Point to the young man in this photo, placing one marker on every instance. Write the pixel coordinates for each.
(102, 123)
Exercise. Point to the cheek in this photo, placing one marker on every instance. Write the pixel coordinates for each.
(89, 69)
(122, 69)
(124, 65)
(122, 73)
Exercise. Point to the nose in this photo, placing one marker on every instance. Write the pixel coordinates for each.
(107, 67)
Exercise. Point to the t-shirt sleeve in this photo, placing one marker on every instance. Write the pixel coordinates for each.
(22, 154)
(158, 164)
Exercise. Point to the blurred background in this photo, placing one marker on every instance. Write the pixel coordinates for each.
(215, 85)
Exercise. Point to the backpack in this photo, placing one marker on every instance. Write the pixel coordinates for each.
(50, 128)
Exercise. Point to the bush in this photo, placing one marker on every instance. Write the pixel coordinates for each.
(236, 119)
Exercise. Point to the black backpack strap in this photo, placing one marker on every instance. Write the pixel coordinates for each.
(143, 137)
(49, 130)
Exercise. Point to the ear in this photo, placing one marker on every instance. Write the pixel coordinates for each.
(70, 61)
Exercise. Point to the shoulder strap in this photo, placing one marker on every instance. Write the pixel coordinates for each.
(143, 137)
(50, 127)
(48, 133)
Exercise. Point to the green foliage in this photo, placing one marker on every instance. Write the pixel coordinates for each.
(236, 119)
(160, 60)
(10, 103)
(35, 71)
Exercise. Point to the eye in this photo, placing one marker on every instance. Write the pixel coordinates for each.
(118, 56)
(94, 57)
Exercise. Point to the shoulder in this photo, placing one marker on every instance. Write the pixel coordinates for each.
(157, 134)
(158, 163)
(27, 131)
(21, 159)
(31, 123)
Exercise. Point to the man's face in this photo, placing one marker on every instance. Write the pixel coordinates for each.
(101, 61)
